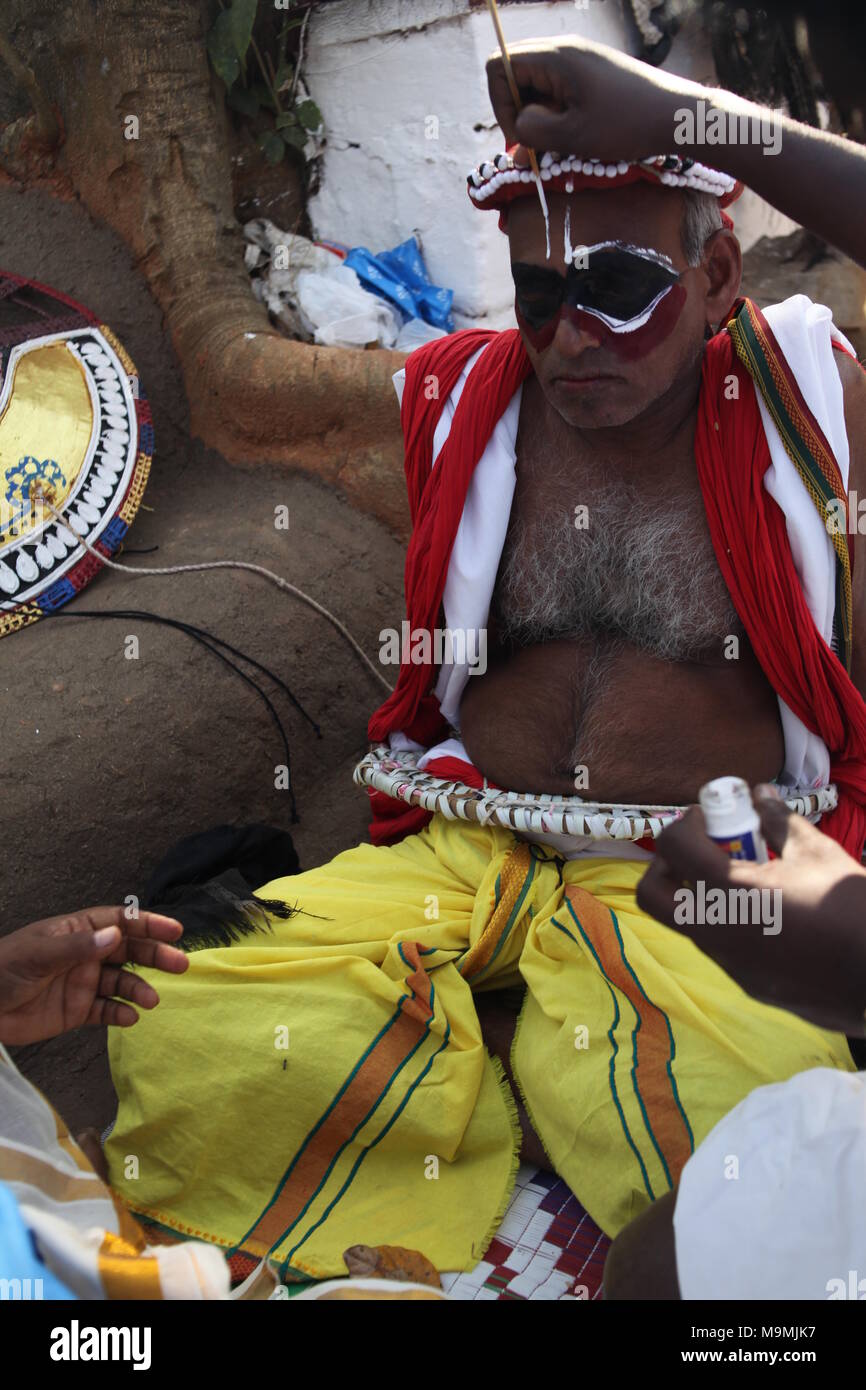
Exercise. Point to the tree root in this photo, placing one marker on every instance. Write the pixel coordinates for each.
(253, 394)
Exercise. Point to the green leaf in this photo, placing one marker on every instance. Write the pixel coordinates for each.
(295, 136)
(283, 76)
(272, 146)
(221, 49)
(285, 118)
(243, 100)
(309, 115)
(241, 17)
(263, 95)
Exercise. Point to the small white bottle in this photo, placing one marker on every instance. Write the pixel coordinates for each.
(732, 820)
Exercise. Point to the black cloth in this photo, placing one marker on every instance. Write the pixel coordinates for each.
(208, 882)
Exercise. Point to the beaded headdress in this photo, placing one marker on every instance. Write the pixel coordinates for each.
(497, 182)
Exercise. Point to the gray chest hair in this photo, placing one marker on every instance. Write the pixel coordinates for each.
(643, 570)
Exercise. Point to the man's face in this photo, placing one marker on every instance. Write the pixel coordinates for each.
(592, 376)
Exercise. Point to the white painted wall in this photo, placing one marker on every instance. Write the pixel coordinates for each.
(379, 70)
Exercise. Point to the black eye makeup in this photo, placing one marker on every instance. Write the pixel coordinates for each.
(618, 283)
(539, 293)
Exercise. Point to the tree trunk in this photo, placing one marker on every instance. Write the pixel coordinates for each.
(253, 394)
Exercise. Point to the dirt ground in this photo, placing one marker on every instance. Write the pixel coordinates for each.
(108, 760)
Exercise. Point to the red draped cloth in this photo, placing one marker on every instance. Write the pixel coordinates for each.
(746, 525)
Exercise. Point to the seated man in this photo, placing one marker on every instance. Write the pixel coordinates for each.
(326, 1082)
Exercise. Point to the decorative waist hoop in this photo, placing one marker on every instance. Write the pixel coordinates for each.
(397, 775)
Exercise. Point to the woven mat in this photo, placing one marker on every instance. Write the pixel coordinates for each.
(546, 1248)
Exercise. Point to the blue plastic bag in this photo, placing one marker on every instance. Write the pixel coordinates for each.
(400, 276)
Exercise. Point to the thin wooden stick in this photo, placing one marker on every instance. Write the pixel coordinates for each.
(509, 73)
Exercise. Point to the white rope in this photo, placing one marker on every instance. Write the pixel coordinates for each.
(218, 565)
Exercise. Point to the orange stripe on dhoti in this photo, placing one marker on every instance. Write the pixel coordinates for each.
(652, 1038)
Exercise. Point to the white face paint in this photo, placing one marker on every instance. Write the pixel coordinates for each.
(568, 249)
(546, 212)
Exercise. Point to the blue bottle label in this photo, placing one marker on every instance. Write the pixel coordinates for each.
(739, 846)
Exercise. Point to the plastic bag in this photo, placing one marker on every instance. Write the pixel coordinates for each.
(400, 276)
(415, 334)
(295, 253)
(338, 312)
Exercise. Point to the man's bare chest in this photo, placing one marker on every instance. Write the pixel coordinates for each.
(601, 548)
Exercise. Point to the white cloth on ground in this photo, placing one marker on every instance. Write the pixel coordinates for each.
(772, 1204)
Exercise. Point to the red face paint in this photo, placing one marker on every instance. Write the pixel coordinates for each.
(628, 347)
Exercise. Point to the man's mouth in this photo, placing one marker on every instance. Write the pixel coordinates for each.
(583, 382)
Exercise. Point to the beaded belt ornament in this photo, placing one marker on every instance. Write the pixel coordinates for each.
(75, 428)
(397, 775)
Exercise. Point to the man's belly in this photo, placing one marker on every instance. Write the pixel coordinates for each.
(612, 723)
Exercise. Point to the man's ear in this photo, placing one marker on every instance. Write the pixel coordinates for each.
(723, 265)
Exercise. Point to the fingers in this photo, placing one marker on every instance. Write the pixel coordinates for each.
(684, 854)
(542, 129)
(149, 924)
(145, 941)
(119, 990)
(656, 892)
(111, 1013)
(541, 85)
(147, 945)
(156, 955)
(788, 834)
(108, 934)
(125, 985)
(50, 955)
(94, 921)
(690, 854)
(542, 75)
(153, 926)
(776, 818)
(501, 100)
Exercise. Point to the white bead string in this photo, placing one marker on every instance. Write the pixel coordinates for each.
(397, 775)
(486, 180)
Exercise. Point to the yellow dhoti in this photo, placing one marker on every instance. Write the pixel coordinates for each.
(325, 1084)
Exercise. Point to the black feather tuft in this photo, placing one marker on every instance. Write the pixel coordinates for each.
(207, 882)
(212, 915)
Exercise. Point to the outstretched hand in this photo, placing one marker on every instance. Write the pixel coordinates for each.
(584, 98)
(814, 962)
(66, 972)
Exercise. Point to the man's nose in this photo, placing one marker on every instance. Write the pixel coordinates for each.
(572, 340)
